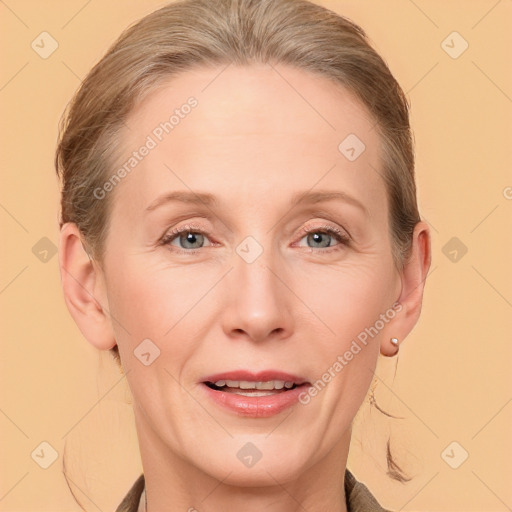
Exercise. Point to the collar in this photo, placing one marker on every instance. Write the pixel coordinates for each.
(358, 496)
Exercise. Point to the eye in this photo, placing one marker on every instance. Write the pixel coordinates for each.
(322, 237)
(190, 238)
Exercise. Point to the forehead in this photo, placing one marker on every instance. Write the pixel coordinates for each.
(246, 133)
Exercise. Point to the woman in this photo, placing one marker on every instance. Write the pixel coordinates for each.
(273, 139)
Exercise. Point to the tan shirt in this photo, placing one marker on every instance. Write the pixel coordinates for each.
(359, 498)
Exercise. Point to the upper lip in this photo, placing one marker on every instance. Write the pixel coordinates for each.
(261, 376)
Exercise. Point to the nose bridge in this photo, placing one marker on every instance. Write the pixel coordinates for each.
(258, 285)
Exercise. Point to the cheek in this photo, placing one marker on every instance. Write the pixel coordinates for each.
(144, 302)
(346, 303)
(350, 299)
(149, 300)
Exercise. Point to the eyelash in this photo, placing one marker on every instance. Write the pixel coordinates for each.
(342, 238)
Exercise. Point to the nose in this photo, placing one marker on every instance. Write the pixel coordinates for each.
(258, 302)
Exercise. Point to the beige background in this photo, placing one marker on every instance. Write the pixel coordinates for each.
(453, 381)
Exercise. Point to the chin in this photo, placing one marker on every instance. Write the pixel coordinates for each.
(258, 476)
(248, 468)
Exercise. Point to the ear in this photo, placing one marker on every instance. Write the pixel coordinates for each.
(84, 289)
(413, 277)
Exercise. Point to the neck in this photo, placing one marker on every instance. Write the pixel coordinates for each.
(175, 484)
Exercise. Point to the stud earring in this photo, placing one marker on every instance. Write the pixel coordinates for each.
(395, 343)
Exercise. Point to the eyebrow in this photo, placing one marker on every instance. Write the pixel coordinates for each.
(207, 199)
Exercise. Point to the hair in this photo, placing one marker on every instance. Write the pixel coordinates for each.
(194, 33)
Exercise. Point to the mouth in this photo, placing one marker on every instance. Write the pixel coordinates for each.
(256, 395)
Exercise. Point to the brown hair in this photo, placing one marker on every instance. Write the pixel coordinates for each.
(190, 33)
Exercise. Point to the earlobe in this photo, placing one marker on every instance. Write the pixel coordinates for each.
(84, 289)
(413, 277)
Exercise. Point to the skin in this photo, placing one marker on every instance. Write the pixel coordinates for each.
(252, 141)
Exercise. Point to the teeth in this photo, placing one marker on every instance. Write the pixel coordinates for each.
(265, 385)
(248, 385)
(244, 384)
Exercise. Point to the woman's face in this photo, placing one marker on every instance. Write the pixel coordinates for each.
(270, 275)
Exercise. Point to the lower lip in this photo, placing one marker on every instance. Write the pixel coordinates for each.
(256, 406)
